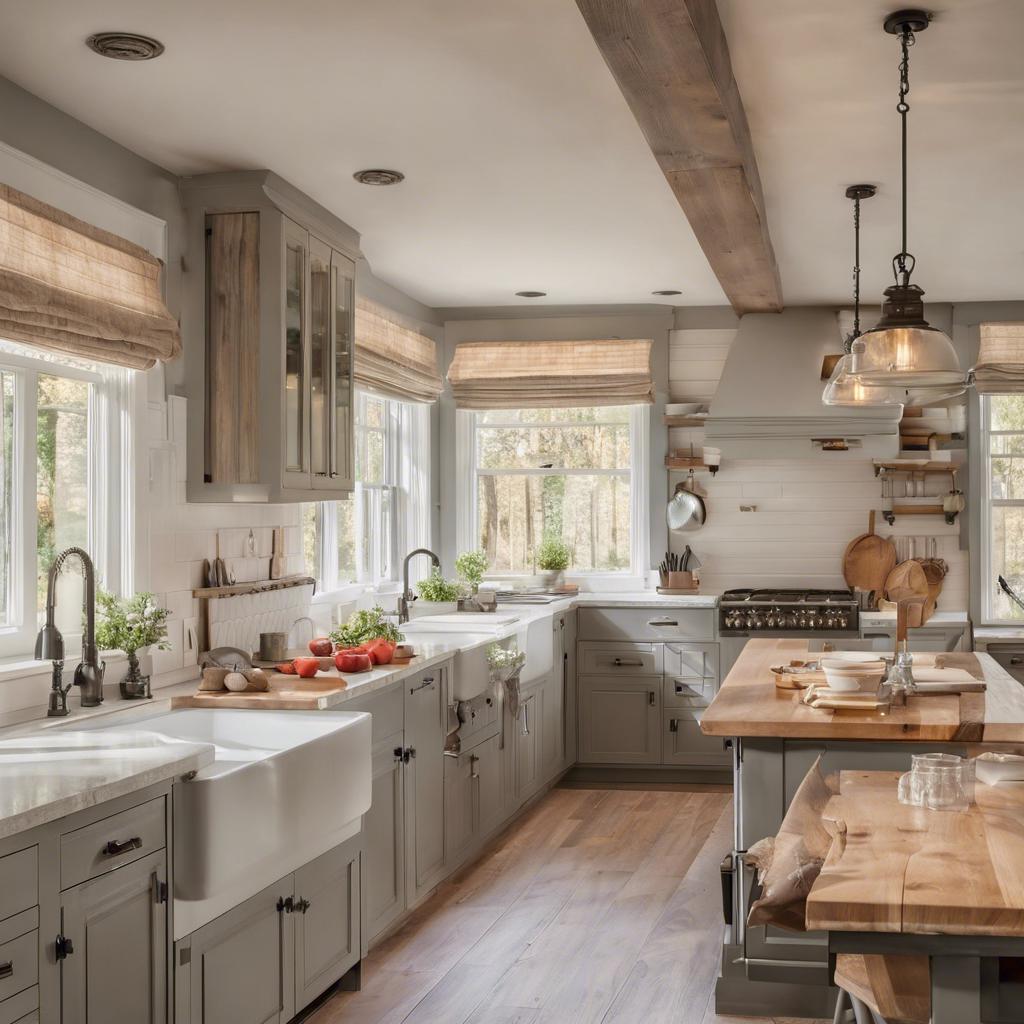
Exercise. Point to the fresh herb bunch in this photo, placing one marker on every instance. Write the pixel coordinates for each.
(435, 588)
(471, 566)
(553, 555)
(366, 625)
(130, 624)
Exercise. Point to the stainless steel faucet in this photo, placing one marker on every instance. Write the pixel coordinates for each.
(407, 596)
(50, 643)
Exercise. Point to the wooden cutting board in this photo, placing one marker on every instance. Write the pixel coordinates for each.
(907, 582)
(868, 559)
(286, 693)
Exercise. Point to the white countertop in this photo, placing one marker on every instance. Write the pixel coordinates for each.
(47, 775)
(993, 634)
(951, 619)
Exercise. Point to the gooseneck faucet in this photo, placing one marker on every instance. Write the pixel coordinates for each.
(407, 596)
(50, 643)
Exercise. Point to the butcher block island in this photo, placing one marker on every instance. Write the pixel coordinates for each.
(775, 738)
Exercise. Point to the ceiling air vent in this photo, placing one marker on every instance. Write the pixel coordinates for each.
(378, 176)
(124, 46)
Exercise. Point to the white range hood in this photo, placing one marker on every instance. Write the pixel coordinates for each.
(768, 403)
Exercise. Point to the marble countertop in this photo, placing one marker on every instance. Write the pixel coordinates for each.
(942, 619)
(989, 634)
(47, 775)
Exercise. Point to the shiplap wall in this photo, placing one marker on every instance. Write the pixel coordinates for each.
(807, 510)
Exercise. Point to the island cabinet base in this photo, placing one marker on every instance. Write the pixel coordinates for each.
(767, 970)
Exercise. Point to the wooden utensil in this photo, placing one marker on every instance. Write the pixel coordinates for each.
(868, 560)
(906, 582)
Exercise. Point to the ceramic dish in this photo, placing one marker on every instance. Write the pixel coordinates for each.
(844, 676)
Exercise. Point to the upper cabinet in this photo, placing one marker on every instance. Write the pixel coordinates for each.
(269, 322)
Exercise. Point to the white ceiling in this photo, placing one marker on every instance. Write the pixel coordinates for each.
(525, 168)
(819, 81)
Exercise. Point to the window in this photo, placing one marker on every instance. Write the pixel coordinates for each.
(572, 475)
(357, 540)
(1002, 504)
(60, 436)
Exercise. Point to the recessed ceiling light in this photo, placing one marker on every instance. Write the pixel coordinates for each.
(667, 291)
(378, 176)
(531, 295)
(124, 46)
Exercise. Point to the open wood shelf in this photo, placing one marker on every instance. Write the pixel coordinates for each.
(928, 467)
(684, 462)
(685, 421)
(255, 587)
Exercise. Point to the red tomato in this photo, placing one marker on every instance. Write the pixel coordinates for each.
(321, 647)
(286, 668)
(307, 667)
(352, 660)
(381, 651)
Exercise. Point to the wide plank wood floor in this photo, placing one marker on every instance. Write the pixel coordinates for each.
(598, 906)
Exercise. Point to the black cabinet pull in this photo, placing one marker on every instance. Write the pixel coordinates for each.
(302, 905)
(115, 847)
(285, 905)
(63, 947)
(7, 970)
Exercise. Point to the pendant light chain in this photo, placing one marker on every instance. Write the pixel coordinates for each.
(903, 264)
(856, 274)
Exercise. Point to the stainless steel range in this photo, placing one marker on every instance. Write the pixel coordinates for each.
(782, 613)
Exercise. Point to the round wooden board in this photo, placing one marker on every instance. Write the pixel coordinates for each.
(868, 561)
(907, 582)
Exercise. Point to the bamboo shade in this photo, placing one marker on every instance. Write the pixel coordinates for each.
(551, 374)
(71, 287)
(392, 359)
(1000, 366)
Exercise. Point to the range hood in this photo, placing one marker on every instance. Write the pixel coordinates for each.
(768, 403)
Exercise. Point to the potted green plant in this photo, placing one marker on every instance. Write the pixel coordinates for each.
(553, 558)
(133, 625)
(437, 596)
(471, 566)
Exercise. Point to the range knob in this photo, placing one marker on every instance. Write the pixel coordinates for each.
(830, 620)
(842, 621)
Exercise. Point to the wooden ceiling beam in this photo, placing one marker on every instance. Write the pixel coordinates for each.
(671, 61)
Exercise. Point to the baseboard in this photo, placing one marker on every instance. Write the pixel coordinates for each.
(640, 775)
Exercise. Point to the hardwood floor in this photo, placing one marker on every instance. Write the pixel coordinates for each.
(599, 905)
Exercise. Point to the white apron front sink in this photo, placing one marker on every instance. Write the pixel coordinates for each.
(284, 787)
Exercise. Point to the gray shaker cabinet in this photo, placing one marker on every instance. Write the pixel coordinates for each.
(326, 920)
(620, 720)
(116, 965)
(383, 875)
(424, 781)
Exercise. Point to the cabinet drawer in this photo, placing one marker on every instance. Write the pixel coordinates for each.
(19, 881)
(386, 712)
(111, 843)
(620, 659)
(22, 1008)
(19, 954)
(646, 624)
(688, 692)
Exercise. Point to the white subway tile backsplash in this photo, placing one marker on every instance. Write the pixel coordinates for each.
(194, 546)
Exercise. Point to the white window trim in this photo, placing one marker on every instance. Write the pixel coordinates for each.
(986, 504)
(409, 469)
(466, 524)
(111, 445)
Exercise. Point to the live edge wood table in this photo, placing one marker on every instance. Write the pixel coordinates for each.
(775, 739)
(948, 885)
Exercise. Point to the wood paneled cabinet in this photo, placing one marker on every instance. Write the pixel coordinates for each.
(384, 837)
(271, 956)
(620, 720)
(270, 311)
(113, 964)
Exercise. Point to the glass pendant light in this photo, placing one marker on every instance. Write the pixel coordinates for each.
(842, 389)
(903, 349)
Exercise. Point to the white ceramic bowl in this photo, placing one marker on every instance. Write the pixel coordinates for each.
(851, 677)
(853, 657)
(682, 408)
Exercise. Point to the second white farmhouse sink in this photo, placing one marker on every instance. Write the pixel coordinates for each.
(284, 787)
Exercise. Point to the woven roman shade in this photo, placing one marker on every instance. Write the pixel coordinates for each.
(551, 374)
(392, 359)
(71, 287)
(1000, 366)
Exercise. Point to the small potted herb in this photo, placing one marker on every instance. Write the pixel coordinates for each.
(132, 625)
(437, 596)
(553, 558)
(471, 566)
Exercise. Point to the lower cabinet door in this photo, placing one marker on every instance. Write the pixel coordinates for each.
(326, 916)
(489, 805)
(383, 867)
(528, 746)
(116, 966)
(552, 696)
(620, 720)
(243, 962)
(459, 800)
(685, 744)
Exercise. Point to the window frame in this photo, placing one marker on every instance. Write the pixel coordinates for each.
(467, 430)
(986, 506)
(405, 487)
(111, 515)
